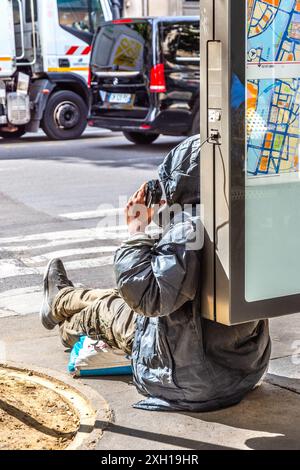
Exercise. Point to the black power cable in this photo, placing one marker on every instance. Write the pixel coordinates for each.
(225, 197)
(184, 160)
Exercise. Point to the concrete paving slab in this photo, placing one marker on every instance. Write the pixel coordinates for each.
(287, 367)
(285, 334)
(269, 418)
(285, 372)
(256, 423)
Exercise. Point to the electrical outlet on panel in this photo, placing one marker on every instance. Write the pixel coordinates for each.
(214, 120)
(214, 115)
(214, 137)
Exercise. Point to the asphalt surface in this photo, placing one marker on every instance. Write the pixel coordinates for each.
(66, 199)
(60, 199)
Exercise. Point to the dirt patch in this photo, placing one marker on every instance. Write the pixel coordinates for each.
(33, 416)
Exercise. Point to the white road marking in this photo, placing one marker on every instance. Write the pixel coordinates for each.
(89, 263)
(49, 245)
(45, 257)
(93, 214)
(60, 244)
(22, 291)
(64, 235)
(25, 301)
(12, 267)
(98, 233)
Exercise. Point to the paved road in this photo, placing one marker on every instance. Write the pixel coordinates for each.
(62, 199)
(52, 197)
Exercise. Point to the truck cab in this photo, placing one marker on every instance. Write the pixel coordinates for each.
(50, 51)
(7, 54)
(56, 35)
(7, 42)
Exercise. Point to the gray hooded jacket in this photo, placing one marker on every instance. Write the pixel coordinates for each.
(180, 360)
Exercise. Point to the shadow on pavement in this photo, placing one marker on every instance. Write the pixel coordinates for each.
(269, 409)
(175, 441)
(268, 419)
(126, 379)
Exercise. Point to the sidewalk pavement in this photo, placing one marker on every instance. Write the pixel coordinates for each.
(269, 418)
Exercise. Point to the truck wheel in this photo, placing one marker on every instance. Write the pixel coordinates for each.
(13, 135)
(65, 116)
(140, 138)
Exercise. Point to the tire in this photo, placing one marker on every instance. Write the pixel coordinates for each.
(195, 130)
(65, 116)
(139, 138)
(13, 135)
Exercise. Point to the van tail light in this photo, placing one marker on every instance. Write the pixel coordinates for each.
(158, 79)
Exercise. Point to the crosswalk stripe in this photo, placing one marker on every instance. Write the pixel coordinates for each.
(99, 213)
(49, 245)
(63, 235)
(89, 263)
(31, 254)
(20, 291)
(45, 257)
(12, 267)
(98, 233)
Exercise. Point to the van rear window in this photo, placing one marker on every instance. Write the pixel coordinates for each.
(122, 46)
(180, 41)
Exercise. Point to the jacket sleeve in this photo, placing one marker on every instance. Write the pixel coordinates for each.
(156, 279)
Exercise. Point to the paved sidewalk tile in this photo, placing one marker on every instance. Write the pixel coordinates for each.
(285, 372)
(285, 334)
(269, 417)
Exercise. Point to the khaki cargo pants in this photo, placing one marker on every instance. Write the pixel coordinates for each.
(99, 314)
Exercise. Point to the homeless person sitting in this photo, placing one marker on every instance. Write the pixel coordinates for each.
(180, 360)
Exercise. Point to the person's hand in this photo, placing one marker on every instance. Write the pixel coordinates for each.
(138, 216)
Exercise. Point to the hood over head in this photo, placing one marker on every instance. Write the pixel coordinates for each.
(180, 173)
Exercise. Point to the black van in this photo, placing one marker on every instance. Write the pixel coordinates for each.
(145, 77)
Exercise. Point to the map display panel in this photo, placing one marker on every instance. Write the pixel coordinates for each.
(273, 87)
(272, 183)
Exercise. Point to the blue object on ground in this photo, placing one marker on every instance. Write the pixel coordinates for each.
(95, 358)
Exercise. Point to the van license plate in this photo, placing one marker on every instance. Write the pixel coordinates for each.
(123, 98)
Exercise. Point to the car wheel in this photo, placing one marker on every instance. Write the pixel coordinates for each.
(13, 135)
(65, 116)
(140, 138)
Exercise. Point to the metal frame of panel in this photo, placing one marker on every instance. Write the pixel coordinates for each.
(223, 175)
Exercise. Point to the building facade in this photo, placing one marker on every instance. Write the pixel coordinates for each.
(160, 7)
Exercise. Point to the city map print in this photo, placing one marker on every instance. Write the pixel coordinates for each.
(273, 87)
